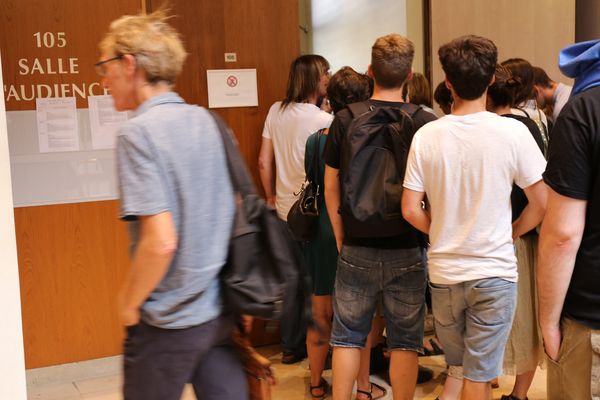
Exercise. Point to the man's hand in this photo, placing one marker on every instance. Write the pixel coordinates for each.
(129, 315)
(552, 338)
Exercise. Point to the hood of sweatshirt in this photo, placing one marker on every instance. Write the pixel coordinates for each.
(582, 62)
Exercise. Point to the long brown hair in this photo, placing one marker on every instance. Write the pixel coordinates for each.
(304, 78)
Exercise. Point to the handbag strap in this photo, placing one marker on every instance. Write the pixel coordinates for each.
(315, 164)
(240, 176)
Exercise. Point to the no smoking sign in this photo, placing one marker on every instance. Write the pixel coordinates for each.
(232, 81)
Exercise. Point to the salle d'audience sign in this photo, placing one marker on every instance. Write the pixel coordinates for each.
(41, 67)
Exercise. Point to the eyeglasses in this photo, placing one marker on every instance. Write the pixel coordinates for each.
(99, 70)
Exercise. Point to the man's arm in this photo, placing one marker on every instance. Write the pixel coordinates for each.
(559, 241)
(332, 201)
(153, 255)
(533, 213)
(413, 211)
(266, 158)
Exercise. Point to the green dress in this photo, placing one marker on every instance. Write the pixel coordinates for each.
(320, 253)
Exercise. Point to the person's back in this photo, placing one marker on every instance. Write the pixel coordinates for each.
(288, 129)
(468, 181)
(174, 135)
(550, 93)
(524, 99)
(463, 165)
(373, 268)
(288, 125)
(176, 193)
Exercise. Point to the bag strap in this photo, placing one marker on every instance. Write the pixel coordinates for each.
(240, 176)
(544, 133)
(411, 109)
(315, 164)
(525, 112)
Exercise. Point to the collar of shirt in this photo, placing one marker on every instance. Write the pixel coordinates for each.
(163, 98)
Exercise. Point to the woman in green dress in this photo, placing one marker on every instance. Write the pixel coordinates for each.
(345, 87)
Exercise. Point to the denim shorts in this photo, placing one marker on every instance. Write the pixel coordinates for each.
(473, 320)
(367, 275)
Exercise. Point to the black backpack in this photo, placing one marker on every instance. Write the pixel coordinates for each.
(373, 162)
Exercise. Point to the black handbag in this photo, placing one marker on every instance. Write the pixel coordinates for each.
(261, 266)
(303, 217)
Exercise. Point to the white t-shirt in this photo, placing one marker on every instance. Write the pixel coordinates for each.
(466, 165)
(530, 110)
(289, 129)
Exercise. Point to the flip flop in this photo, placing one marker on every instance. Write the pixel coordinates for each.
(369, 394)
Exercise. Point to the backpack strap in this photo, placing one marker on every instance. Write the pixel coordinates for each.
(411, 109)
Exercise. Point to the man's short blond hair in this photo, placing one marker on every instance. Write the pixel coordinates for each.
(391, 60)
(156, 45)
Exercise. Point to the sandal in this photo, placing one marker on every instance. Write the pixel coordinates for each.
(323, 385)
(369, 394)
(436, 350)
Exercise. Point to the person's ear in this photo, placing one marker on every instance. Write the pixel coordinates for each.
(448, 84)
(410, 75)
(129, 63)
(370, 71)
(492, 81)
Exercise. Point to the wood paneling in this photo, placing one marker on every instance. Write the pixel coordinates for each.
(535, 30)
(83, 24)
(265, 36)
(72, 260)
(73, 257)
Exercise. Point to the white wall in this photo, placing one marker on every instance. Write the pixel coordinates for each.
(12, 362)
(344, 31)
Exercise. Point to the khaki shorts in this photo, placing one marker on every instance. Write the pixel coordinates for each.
(576, 373)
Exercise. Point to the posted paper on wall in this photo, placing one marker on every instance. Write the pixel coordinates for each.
(232, 88)
(57, 124)
(105, 121)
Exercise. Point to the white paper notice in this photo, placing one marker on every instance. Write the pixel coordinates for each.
(105, 121)
(232, 88)
(57, 124)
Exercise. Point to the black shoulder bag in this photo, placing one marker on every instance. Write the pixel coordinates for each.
(303, 217)
(260, 265)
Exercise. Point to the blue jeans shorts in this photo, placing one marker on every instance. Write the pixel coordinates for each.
(473, 320)
(367, 275)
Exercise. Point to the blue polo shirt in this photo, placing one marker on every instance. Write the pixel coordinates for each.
(170, 157)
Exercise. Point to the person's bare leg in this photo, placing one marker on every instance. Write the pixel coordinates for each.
(317, 344)
(404, 367)
(346, 362)
(363, 381)
(452, 388)
(476, 390)
(522, 384)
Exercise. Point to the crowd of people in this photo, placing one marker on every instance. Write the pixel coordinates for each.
(417, 213)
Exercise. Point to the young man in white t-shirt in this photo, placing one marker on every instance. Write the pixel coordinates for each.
(463, 166)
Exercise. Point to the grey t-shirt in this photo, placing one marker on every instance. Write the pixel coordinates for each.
(171, 157)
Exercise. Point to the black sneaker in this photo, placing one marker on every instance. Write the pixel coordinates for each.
(425, 374)
(292, 357)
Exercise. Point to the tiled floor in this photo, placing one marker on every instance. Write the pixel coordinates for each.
(101, 380)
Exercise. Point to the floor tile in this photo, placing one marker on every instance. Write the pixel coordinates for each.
(106, 383)
(56, 391)
(292, 381)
